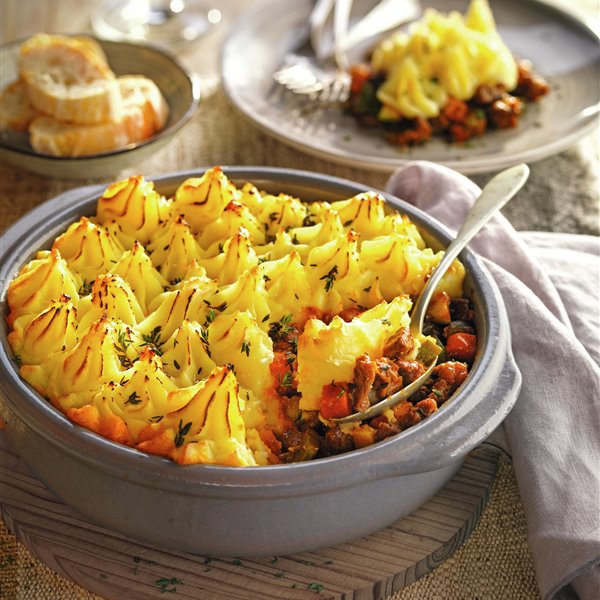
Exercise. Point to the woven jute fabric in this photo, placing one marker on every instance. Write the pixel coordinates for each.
(493, 564)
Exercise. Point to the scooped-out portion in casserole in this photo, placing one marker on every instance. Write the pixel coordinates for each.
(449, 76)
(226, 325)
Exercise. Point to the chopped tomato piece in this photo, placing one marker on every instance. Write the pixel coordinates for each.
(462, 346)
(335, 401)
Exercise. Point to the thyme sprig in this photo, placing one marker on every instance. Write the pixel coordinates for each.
(246, 347)
(285, 380)
(164, 582)
(133, 398)
(329, 278)
(152, 339)
(280, 329)
(219, 307)
(182, 431)
(123, 342)
(86, 288)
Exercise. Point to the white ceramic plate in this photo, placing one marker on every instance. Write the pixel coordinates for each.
(563, 50)
(180, 89)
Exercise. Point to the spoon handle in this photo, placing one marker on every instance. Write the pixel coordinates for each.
(496, 193)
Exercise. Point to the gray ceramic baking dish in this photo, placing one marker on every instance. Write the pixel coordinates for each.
(253, 511)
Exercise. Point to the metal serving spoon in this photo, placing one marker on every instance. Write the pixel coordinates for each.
(496, 193)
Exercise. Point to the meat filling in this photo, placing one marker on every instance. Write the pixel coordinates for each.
(313, 434)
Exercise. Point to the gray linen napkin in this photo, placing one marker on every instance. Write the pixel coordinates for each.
(550, 285)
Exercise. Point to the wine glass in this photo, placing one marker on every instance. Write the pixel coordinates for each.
(164, 22)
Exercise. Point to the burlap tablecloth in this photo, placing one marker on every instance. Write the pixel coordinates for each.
(562, 195)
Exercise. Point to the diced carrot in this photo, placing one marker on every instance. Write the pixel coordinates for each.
(280, 367)
(335, 401)
(462, 346)
(359, 74)
(460, 132)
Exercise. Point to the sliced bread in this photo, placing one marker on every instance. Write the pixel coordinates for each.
(142, 111)
(139, 89)
(15, 110)
(69, 79)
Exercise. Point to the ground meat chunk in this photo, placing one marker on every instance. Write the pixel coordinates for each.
(299, 446)
(406, 415)
(399, 345)
(380, 375)
(365, 371)
(453, 372)
(427, 407)
(386, 429)
(457, 327)
(504, 112)
(455, 111)
(410, 370)
(387, 381)
(530, 86)
(460, 309)
(486, 94)
(418, 131)
(440, 392)
(336, 441)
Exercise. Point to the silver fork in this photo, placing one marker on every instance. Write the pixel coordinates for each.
(319, 72)
(312, 70)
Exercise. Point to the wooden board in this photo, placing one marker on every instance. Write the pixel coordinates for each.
(116, 567)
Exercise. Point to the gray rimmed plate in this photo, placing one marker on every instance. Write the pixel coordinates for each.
(562, 48)
(179, 87)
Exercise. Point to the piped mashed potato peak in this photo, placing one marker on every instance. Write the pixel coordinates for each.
(442, 56)
(225, 325)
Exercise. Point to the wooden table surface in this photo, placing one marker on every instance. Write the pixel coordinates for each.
(562, 195)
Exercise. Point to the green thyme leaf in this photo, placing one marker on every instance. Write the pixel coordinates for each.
(286, 380)
(329, 278)
(133, 398)
(164, 582)
(182, 431)
(246, 347)
(153, 339)
(86, 288)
